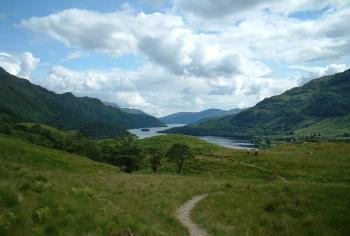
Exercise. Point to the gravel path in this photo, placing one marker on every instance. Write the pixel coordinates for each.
(183, 214)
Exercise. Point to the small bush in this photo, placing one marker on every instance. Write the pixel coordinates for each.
(41, 215)
(41, 186)
(85, 192)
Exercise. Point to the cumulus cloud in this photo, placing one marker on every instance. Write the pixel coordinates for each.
(215, 8)
(19, 64)
(107, 32)
(113, 85)
(74, 55)
(151, 87)
(62, 79)
(200, 53)
(309, 73)
(227, 8)
(164, 39)
(172, 42)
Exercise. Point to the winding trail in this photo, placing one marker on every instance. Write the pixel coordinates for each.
(284, 179)
(183, 214)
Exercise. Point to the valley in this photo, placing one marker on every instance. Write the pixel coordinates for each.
(320, 107)
(91, 181)
(221, 141)
(47, 191)
(174, 118)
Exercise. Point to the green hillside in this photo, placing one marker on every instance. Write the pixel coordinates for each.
(321, 106)
(194, 117)
(21, 101)
(49, 192)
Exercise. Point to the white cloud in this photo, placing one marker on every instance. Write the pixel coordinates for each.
(62, 79)
(19, 64)
(87, 29)
(215, 8)
(152, 87)
(201, 54)
(114, 86)
(74, 55)
(309, 73)
(171, 41)
(227, 9)
(164, 39)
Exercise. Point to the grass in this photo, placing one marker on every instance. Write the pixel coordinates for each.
(48, 192)
(315, 161)
(292, 208)
(49, 128)
(329, 128)
(164, 142)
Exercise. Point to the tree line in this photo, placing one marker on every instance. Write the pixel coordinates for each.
(120, 151)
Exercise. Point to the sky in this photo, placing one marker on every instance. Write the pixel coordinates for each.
(166, 56)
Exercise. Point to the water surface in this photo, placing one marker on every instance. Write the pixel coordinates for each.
(227, 142)
(152, 131)
(221, 141)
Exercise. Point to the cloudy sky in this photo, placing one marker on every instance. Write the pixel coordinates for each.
(168, 56)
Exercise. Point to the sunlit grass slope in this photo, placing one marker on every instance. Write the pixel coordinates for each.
(48, 192)
(278, 208)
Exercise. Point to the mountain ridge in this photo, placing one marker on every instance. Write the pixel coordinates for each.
(22, 101)
(193, 117)
(126, 109)
(297, 109)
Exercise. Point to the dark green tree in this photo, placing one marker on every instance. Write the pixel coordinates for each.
(125, 154)
(178, 153)
(155, 157)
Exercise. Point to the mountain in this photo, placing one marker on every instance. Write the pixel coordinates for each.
(132, 111)
(126, 109)
(321, 106)
(193, 117)
(21, 101)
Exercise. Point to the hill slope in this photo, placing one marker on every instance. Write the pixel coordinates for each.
(192, 117)
(49, 192)
(316, 107)
(22, 101)
(126, 109)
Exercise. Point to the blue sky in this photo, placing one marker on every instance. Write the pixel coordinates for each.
(16, 39)
(169, 56)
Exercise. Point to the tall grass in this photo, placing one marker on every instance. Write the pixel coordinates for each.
(49, 192)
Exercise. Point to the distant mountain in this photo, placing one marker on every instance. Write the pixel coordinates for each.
(321, 106)
(111, 104)
(22, 101)
(133, 111)
(193, 117)
(126, 109)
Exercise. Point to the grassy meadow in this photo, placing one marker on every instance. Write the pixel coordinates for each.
(45, 191)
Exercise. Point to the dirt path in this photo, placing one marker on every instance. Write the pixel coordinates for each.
(183, 214)
(263, 169)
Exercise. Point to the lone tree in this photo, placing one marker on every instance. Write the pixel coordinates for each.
(124, 154)
(178, 153)
(155, 158)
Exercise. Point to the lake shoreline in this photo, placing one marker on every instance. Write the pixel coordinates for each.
(218, 140)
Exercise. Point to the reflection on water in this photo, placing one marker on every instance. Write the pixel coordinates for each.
(226, 142)
(221, 141)
(152, 131)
